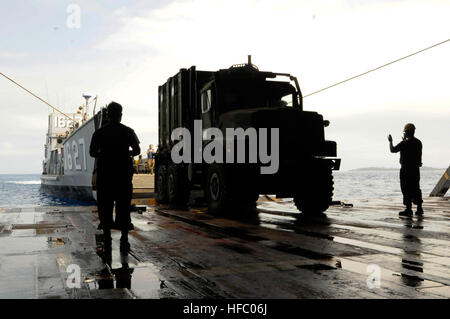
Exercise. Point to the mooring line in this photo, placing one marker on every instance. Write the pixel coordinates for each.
(377, 68)
(36, 96)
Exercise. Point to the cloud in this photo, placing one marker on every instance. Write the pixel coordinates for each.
(139, 45)
(321, 44)
(6, 148)
(11, 55)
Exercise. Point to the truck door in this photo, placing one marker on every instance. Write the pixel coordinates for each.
(206, 108)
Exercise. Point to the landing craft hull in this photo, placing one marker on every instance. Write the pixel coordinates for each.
(74, 181)
(58, 189)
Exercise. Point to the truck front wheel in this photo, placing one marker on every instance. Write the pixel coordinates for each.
(316, 193)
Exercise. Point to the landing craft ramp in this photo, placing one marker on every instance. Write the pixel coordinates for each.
(443, 185)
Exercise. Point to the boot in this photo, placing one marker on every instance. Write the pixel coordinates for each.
(407, 212)
(419, 210)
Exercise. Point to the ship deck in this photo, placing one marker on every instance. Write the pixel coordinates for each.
(143, 186)
(272, 253)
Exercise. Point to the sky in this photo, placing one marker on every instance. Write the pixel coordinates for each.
(123, 50)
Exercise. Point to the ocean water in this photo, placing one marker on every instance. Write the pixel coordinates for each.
(372, 183)
(24, 190)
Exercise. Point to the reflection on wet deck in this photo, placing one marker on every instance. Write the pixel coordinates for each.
(271, 252)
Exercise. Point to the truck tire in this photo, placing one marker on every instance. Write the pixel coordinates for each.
(161, 185)
(218, 190)
(316, 193)
(177, 185)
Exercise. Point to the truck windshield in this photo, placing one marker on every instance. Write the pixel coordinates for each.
(238, 95)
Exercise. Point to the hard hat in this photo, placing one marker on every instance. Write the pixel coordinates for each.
(409, 127)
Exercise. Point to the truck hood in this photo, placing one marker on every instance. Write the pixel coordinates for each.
(299, 131)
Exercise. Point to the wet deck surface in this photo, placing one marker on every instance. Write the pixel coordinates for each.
(274, 253)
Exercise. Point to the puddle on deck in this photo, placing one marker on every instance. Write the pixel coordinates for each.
(122, 270)
(142, 281)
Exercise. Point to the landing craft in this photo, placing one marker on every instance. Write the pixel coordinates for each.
(67, 166)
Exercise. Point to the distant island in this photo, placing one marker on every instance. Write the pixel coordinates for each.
(425, 168)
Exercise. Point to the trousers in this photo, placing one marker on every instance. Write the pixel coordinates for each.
(410, 185)
(114, 190)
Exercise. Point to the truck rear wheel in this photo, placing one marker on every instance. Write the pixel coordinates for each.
(218, 190)
(229, 191)
(161, 185)
(316, 193)
(177, 185)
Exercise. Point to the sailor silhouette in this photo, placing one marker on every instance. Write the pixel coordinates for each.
(410, 160)
(110, 145)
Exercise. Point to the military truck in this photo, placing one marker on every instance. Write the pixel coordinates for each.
(246, 100)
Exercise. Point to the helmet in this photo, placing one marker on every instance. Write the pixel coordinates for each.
(409, 127)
